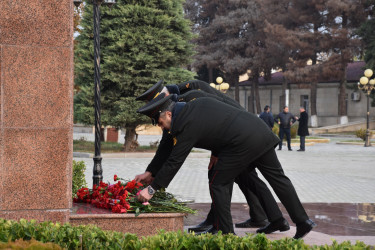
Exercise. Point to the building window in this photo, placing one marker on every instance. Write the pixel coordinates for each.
(305, 102)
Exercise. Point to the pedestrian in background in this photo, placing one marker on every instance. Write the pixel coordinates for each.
(303, 130)
(285, 120)
(267, 117)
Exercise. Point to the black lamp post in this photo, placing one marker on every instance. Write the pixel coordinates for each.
(367, 84)
(97, 171)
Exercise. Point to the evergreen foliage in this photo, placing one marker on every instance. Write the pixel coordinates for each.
(78, 179)
(92, 237)
(368, 36)
(141, 43)
(366, 32)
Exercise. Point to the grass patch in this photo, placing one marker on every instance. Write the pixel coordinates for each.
(315, 137)
(359, 140)
(106, 147)
(89, 146)
(311, 138)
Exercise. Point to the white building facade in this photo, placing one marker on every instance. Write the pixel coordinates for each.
(299, 94)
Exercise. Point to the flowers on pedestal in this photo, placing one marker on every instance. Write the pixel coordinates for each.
(121, 197)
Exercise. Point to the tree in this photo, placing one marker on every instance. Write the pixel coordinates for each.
(366, 32)
(302, 35)
(202, 13)
(276, 22)
(321, 31)
(343, 19)
(233, 41)
(141, 42)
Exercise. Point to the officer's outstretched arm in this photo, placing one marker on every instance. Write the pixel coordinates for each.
(182, 145)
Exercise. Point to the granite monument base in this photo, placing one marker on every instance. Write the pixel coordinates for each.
(143, 225)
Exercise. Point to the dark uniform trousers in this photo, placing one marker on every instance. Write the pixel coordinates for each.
(262, 208)
(221, 184)
(285, 131)
(239, 139)
(248, 181)
(256, 211)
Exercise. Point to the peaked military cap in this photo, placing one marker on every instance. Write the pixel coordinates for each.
(156, 106)
(173, 89)
(152, 92)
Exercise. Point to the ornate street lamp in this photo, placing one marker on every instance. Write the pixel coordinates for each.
(221, 86)
(367, 84)
(97, 171)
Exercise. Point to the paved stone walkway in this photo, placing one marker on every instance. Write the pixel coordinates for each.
(326, 172)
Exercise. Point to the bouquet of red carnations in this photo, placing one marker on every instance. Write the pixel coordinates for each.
(121, 197)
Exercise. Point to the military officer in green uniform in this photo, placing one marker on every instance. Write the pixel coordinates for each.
(248, 181)
(239, 139)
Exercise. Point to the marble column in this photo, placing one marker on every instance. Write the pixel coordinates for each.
(36, 109)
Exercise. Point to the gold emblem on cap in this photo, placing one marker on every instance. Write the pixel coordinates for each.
(156, 95)
(174, 141)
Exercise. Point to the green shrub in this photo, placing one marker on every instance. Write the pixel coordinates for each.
(66, 236)
(92, 237)
(30, 245)
(78, 179)
(276, 129)
(82, 145)
(361, 133)
(293, 131)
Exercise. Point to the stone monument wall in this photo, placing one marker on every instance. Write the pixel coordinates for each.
(36, 109)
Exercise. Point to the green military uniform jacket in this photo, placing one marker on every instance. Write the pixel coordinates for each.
(232, 134)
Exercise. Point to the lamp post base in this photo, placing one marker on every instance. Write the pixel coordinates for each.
(98, 171)
(367, 141)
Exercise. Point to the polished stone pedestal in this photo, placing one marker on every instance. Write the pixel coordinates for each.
(36, 109)
(143, 225)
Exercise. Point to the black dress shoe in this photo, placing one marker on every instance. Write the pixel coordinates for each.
(279, 225)
(203, 226)
(211, 230)
(289, 149)
(251, 223)
(304, 228)
(279, 149)
(301, 150)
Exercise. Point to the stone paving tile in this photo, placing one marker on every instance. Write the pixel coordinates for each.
(313, 238)
(324, 173)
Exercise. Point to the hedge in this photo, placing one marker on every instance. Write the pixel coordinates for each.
(92, 237)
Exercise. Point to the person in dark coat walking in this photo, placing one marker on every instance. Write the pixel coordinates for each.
(285, 120)
(303, 129)
(248, 182)
(239, 139)
(267, 116)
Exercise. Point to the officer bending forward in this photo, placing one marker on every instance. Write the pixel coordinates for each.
(238, 138)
